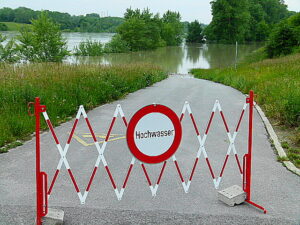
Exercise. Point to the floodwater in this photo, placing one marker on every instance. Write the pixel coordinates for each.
(173, 59)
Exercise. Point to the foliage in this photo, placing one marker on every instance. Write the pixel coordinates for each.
(10, 51)
(62, 89)
(195, 33)
(275, 81)
(24, 15)
(143, 30)
(96, 24)
(244, 20)
(89, 48)
(172, 29)
(89, 23)
(230, 21)
(116, 45)
(3, 27)
(44, 43)
(285, 37)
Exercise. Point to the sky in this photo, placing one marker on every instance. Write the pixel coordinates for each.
(190, 10)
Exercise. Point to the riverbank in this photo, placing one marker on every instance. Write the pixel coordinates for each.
(12, 26)
(62, 88)
(276, 83)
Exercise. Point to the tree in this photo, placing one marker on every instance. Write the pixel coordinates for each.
(141, 30)
(44, 43)
(230, 21)
(195, 34)
(172, 28)
(88, 23)
(244, 20)
(7, 14)
(285, 37)
(24, 15)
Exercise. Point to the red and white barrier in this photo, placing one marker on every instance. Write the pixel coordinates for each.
(43, 193)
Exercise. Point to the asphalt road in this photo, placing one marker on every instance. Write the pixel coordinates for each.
(274, 187)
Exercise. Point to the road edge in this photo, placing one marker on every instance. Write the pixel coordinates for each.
(273, 136)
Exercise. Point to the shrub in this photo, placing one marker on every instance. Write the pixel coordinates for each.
(285, 37)
(89, 48)
(10, 51)
(3, 27)
(44, 43)
(116, 45)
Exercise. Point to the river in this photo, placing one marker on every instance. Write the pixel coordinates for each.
(173, 59)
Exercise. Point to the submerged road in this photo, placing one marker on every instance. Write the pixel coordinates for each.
(274, 187)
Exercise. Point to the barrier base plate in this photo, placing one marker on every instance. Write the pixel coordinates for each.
(233, 195)
(54, 217)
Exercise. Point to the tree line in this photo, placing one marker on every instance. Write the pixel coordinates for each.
(244, 20)
(141, 30)
(89, 23)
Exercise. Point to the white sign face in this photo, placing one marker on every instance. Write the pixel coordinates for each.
(154, 134)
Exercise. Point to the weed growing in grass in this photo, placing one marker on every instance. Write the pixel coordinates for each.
(5, 149)
(285, 145)
(294, 155)
(282, 159)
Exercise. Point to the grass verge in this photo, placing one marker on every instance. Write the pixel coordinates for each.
(276, 83)
(62, 88)
(12, 26)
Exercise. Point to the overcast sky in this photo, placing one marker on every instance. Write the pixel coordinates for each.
(189, 9)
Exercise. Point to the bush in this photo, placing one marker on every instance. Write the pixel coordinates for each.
(116, 45)
(3, 27)
(44, 43)
(285, 37)
(10, 51)
(89, 48)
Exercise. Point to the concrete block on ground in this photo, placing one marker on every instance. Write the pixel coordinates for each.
(54, 217)
(233, 195)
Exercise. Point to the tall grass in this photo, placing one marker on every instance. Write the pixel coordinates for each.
(62, 89)
(275, 81)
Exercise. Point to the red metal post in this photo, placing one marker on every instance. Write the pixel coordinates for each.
(40, 176)
(39, 192)
(250, 140)
(248, 157)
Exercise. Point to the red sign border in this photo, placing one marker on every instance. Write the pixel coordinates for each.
(134, 121)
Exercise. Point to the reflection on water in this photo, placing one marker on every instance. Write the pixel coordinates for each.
(170, 58)
(177, 59)
(173, 59)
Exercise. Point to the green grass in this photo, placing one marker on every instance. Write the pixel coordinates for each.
(62, 88)
(294, 155)
(282, 159)
(12, 26)
(275, 81)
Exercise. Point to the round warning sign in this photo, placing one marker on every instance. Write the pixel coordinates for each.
(154, 134)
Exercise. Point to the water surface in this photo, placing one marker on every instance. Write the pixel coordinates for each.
(173, 59)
